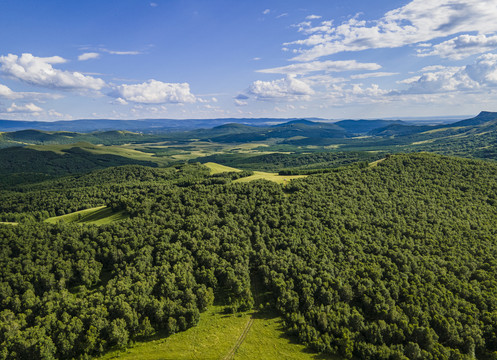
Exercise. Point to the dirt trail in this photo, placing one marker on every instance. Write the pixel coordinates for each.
(239, 341)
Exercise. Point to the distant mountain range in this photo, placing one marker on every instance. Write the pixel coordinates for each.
(145, 125)
(167, 125)
(480, 132)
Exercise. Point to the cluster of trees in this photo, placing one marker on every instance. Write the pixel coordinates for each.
(310, 161)
(390, 262)
(20, 164)
(396, 261)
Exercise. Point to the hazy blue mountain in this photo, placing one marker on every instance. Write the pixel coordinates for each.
(402, 129)
(362, 127)
(145, 125)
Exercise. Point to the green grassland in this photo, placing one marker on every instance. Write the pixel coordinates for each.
(100, 215)
(261, 175)
(258, 175)
(218, 168)
(127, 151)
(8, 223)
(214, 337)
(267, 340)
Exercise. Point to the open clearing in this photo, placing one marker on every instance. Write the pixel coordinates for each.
(218, 168)
(280, 179)
(258, 175)
(375, 163)
(442, 129)
(124, 151)
(98, 216)
(215, 336)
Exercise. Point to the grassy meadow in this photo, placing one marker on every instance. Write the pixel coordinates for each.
(279, 179)
(214, 337)
(100, 215)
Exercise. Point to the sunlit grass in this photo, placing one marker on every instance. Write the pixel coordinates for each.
(98, 216)
(280, 179)
(218, 168)
(214, 337)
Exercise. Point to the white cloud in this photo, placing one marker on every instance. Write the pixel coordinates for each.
(115, 52)
(328, 66)
(313, 17)
(240, 102)
(432, 68)
(418, 21)
(324, 80)
(446, 80)
(27, 108)
(281, 15)
(52, 113)
(88, 56)
(39, 71)
(267, 11)
(374, 74)
(341, 94)
(121, 101)
(461, 46)
(6, 92)
(155, 92)
(484, 70)
(482, 74)
(152, 4)
(288, 88)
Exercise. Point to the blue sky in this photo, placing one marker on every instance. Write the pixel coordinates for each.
(209, 59)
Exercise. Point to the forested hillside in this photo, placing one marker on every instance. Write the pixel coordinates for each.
(393, 261)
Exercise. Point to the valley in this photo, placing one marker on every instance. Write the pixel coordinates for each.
(209, 248)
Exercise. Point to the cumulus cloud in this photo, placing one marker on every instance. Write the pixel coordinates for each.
(88, 56)
(418, 21)
(155, 92)
(7, 93)
(461, 46)
(341, 94)
(288, 88)
(327, 66)
(39, 71)
(26, 108)
(479, 75)
(484, 70)
(441, 81)
(121, 101)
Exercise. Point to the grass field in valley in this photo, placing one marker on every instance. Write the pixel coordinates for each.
(215, 336)
(280, 179)
(258, 175)
(97, 216)
(218, 168)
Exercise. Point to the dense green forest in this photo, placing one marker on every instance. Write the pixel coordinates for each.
(393, 261)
